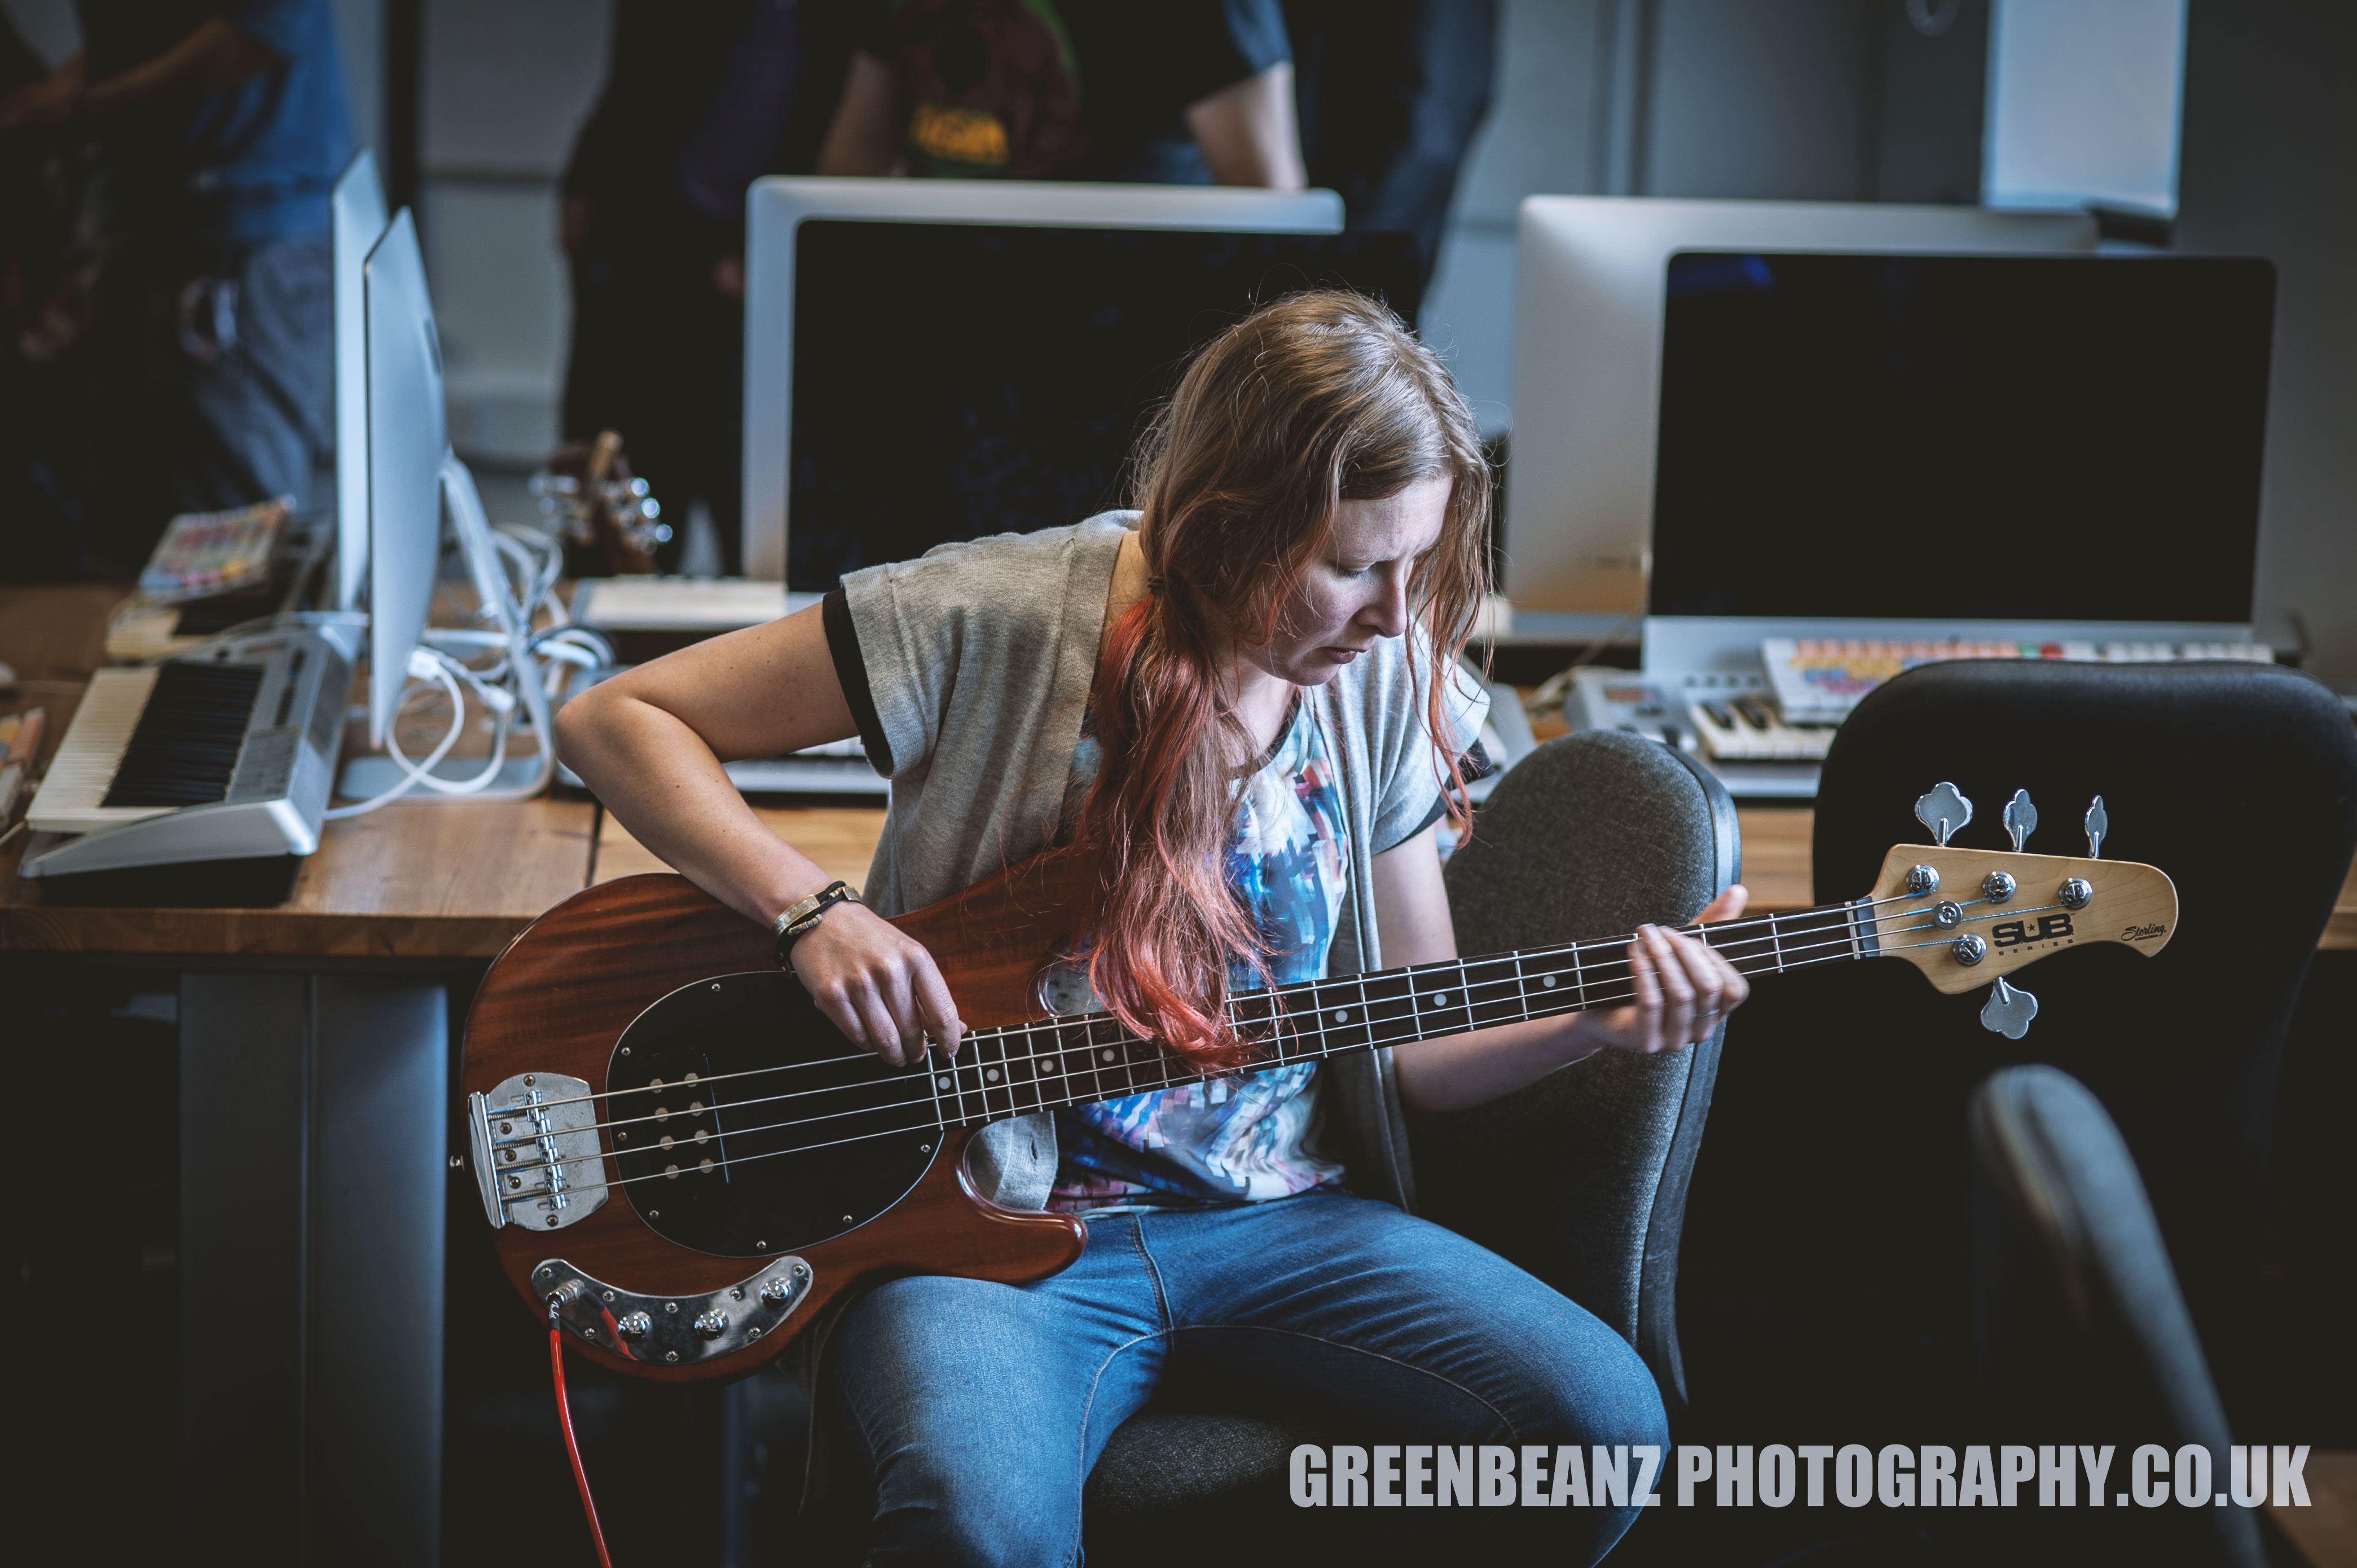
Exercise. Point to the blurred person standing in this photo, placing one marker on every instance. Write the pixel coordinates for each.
(701, 98)
(50, 252)
(1391, 92)
(1183, 93)
(221, 128)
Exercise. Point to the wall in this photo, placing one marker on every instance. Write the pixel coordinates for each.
(2269, 167)
(1542, 136)
(505, 87)
(1824, 100)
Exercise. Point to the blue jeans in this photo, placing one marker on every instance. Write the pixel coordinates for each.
(980, 1407)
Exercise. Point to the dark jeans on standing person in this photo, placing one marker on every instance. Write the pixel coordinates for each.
(980, 1407)
(656, 355)
(219, 362)
(257, 339)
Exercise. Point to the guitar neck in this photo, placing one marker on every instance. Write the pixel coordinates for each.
(1082, 1058)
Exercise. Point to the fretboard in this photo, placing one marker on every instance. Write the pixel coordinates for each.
(1082, 1058)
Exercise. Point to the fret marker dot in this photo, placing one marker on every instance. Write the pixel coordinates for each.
(1441, 1000)
(1548, 982)
(990, 1074)
(943, 1081)
(1106, 1055)
(1341, 1017)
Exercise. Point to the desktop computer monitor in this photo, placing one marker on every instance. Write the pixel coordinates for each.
(407, 435)
(984, 380)
(357, 220)
(2052, 447)
(1588, 307)
(777, 208)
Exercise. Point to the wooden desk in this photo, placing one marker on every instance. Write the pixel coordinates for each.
(434, 880)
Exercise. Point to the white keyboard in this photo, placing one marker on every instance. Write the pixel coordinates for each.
(223, 756)
(1729, 720)
(71, 797)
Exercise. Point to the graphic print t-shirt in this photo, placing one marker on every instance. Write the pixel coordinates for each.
(1242, 1138)
(1065, 88)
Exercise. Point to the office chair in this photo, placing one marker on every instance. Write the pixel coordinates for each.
(2081, 1326)
(1580, 1179)
(1845, 1165)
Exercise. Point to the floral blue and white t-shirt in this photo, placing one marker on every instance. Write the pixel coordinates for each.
(1246, 1137)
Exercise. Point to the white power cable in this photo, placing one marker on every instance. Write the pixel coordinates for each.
(423, 666)
(515, 572)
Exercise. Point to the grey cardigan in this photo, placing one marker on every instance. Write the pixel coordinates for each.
(977, 660)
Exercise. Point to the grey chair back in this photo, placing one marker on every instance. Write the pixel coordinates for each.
(2081, 1324)
(1581, 1177)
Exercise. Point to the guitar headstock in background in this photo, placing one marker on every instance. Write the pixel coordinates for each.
(598, 504)
(1967, 916)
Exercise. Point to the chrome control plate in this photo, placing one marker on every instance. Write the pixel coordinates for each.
(674, 1330)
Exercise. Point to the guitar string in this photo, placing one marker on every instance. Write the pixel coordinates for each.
(685, 1172)
(1057, 1027)
(700, 1169)
(1570, 949)
(696, 1083)
(1040, 1080)
(1616, 943)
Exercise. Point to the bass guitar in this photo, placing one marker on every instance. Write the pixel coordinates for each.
(682, 1160)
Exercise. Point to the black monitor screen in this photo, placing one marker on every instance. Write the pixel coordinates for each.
(954, 381)
(1960, 438)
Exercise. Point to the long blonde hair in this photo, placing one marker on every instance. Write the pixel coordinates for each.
(1319, 398)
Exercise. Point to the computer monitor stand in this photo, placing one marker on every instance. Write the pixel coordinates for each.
(518, 777)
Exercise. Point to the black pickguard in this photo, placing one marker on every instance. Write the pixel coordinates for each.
(817, 1139)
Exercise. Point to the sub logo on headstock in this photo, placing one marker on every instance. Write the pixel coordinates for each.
(2046, 929)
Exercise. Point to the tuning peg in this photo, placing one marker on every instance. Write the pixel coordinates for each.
(2008, 1011)
(2098, 824)
(2021, 819)
(1944, 811)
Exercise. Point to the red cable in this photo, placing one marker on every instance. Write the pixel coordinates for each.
(573, 1446)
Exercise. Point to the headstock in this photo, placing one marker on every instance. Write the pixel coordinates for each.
(1923, 920)
(1967, 916)
(596, 502)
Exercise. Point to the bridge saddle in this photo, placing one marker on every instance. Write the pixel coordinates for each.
(535, 1152)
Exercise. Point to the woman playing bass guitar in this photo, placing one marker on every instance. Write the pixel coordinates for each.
(1240, 707)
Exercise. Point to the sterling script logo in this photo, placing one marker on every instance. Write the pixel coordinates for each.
(2143, 933)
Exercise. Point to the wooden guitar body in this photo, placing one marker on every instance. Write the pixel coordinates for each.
(682, 1161)
(548, 1011)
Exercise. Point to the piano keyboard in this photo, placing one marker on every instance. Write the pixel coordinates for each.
(1751, 728)
(72, 794)
(1729, 719)
(218, 758)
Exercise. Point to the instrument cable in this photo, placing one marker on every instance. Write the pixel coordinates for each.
(572, 1442)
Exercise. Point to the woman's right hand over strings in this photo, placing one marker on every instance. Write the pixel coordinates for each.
(651, 742)
(880, 987)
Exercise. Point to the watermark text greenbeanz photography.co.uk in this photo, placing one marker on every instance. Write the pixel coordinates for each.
(1812, 1475)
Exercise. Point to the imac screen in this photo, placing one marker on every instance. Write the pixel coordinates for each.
(406, 438)
(952, 381)
(1960, 438)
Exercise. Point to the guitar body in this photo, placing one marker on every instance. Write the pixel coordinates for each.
(883, 1189)
(684, 1161)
